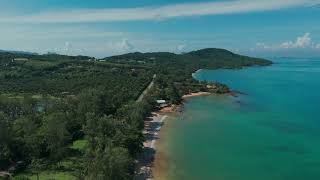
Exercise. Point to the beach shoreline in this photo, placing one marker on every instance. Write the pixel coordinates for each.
(153, 164)
(153, 127)
(202, 93)
(161, 161)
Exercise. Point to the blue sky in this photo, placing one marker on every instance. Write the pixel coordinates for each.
(108, 27)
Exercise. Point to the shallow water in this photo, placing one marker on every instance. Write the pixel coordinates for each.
(270, 131)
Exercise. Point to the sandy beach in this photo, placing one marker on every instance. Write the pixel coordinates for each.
(152, 165)
(161, 162)
(152, 128)
(195, 94)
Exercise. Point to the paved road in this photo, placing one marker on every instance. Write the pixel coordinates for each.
(147, 89)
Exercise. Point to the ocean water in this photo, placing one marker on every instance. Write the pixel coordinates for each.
(271, 131)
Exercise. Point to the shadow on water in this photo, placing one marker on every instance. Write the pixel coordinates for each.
(285, 126)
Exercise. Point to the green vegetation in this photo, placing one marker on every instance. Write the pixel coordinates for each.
(45, 175)
(72, 117)
(79, 144)
(174, 71)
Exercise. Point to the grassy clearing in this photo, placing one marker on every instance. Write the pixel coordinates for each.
(22, 95)
(79, 144)
(63, 170)
(46, 175)
(119, 65)
(38, 64)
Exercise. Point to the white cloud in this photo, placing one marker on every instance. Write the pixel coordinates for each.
(126, 45)
(181, 47)
(122, 46)
(160, 12)
(67, 46)
(301, 42)
(262, 46)
(66, 49)
(63, 39)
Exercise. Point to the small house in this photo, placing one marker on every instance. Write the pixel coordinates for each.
(20, 59)
(162, 103)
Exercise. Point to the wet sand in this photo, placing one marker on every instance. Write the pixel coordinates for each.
(153, 125)
(153, 163)
(195, 94)
(160, 168)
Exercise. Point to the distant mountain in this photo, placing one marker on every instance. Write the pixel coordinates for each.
(9, 55)
(211, 58)
(19, 52)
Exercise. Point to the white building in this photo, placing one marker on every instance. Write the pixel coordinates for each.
(162, 103)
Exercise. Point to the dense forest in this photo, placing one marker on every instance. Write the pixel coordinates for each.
(76, 117)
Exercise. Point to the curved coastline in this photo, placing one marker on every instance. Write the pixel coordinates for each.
(243, 132)
(153, 131)
(153, 162)
(158, 168)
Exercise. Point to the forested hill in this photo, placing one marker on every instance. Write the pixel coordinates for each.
(210, 58)
(174, 70)
(77, 117)
(9, 55)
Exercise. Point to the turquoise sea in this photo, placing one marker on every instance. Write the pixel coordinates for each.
(271, 131)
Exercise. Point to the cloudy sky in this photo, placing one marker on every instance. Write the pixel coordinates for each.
(108, 27)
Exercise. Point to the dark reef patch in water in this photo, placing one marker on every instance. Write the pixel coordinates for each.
(283, 126)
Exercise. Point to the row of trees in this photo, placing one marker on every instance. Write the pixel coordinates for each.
(74, 100)
(117, 141)
(41, 138)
